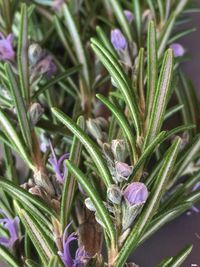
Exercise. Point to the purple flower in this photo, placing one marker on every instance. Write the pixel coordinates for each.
(6, 47)
(129, 15)
(58, 165)
(46, 66)
(118, 40)
(196, 187)
(136, 193)
(178, 49)
(57, 4)
(12, 225)
(81, 256)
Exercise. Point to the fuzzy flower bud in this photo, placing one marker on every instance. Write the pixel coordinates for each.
(35, 112)
(89, 204)
(135, 195)
(114, 194)
(129, 15)
(178, 49)
(123, 171)
(118, 40)
(34, 53)
(94, 129)
(118, 148)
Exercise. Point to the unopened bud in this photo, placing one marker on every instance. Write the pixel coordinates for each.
(89, 204)
(34, 53)
(94, 129)
(35, 113)
(118, 148)
(123, 171)
(114, 194)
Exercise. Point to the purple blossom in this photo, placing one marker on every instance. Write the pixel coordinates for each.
(6, 47)
(196, 187)
(46, 66)
(136, 193)
(12, 225)
(118, 40)
(129, 15)
(123, 169)
(57, 4)
(178, 49)
(58, 165)
(81, 256)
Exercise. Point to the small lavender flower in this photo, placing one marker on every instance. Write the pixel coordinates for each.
(6, 47)
(136, 193)
(81, 256)
(129, 15)
(46, 66)
(118, 40)
(58, 165)
(178, 49)
(12, 225)
(57, 4)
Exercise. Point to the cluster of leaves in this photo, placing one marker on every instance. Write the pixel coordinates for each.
(92, 82)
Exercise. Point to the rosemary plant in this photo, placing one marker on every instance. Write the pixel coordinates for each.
(88, 89)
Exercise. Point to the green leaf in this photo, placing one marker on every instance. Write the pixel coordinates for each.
(14, 138)
(191, 151)
(80, 53)
(171, 111)
(120, 79)
(22, 196)
(121, 18)
(31, 263)
(181, 256)
(138, 18)
(8, 257)
(151, 68)
(151, 205)
(161, 98)
(165, 262)
(40, 240)
(91, 147)
(70, 182)
(147, 153)
(23, 63)
(95, 198)
(20, 106)
(55, 80)
(162, 219)
(54, 262)
(122, 120)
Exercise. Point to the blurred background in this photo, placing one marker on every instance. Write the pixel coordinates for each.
(186, 229)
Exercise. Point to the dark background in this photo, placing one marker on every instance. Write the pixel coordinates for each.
(185, 229)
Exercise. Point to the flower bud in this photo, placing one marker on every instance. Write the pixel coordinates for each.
(123, 171)
(118, 40)
(178, 49)
(94, 129)
(136, 193)
(35, 113)
(135, 196)
(114, 194)
(118, 148)
(129, 15)
(34, 53)
(89, 204)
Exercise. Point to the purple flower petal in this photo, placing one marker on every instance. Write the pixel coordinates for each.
(12, 225)
(6, 47)
(81, 255)
(129, 15)
(118, 40)
(136, 193)
(178, 49)
(57, 4)
(58, 165)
